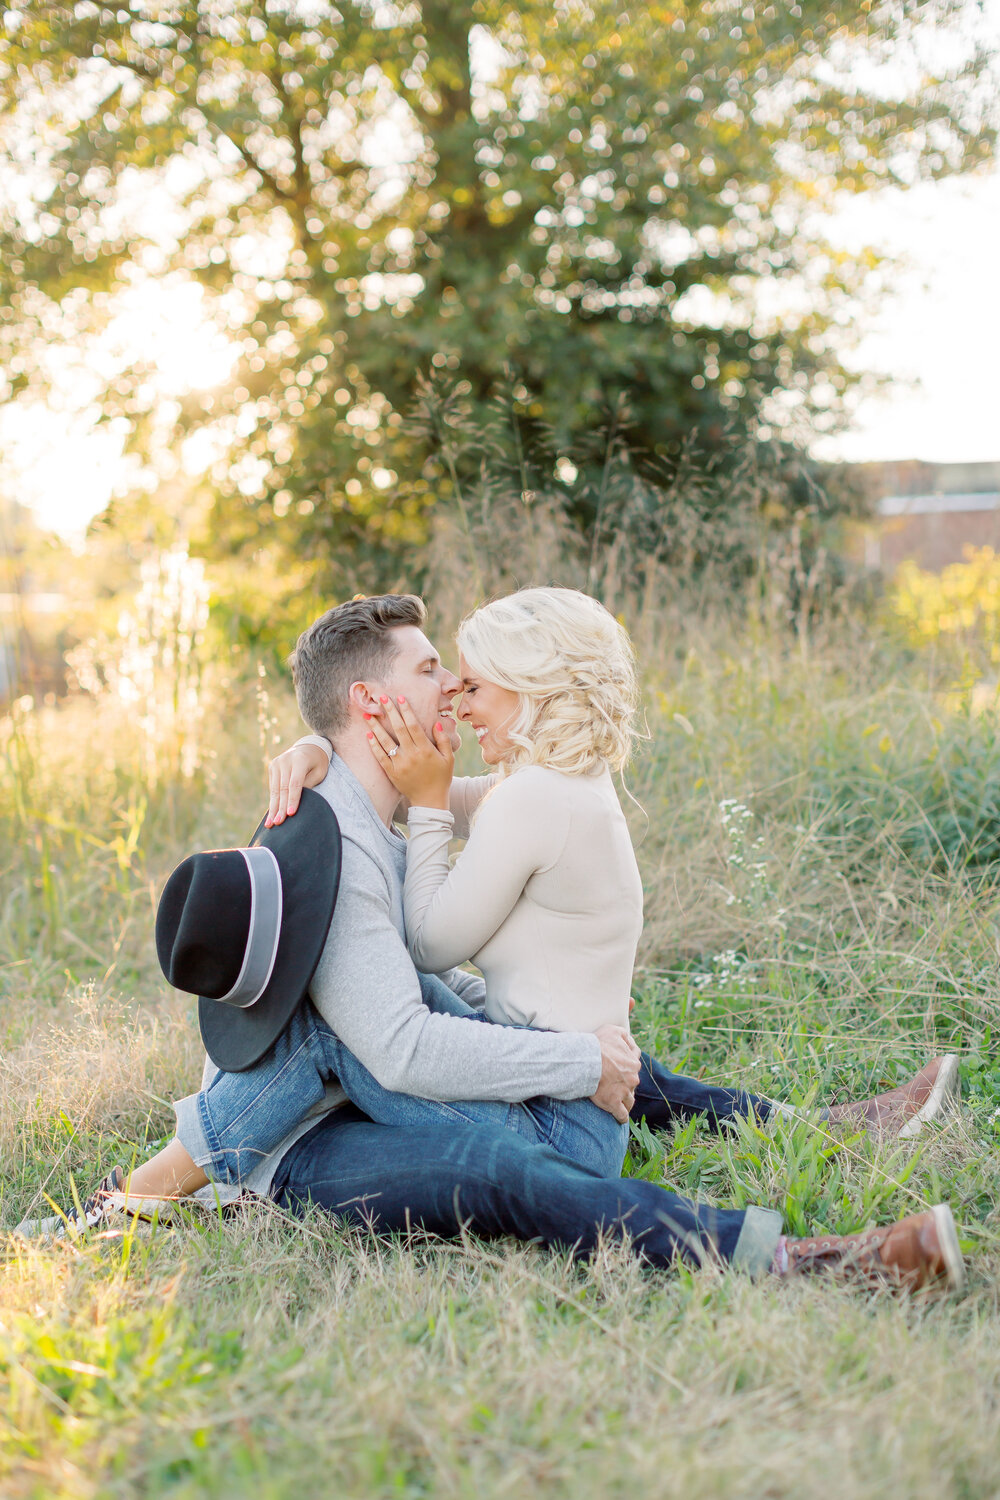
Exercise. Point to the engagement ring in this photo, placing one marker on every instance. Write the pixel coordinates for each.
(392, 752)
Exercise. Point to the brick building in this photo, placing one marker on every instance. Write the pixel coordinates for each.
(929, 513)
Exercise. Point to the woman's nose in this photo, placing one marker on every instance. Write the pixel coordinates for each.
(462, 711)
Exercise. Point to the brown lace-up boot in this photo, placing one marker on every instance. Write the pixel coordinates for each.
(917, 1250)
(904, 1111)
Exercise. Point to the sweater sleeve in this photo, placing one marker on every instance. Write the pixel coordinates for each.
(465, 796)
(468, 987)
(367, 991)
(451, 914)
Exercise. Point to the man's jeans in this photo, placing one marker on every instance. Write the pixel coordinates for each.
(493, 1182)
(241, 1118)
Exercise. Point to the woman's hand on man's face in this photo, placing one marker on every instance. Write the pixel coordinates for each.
(420, 768)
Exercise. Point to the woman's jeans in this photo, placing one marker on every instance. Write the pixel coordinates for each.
(241, 1118)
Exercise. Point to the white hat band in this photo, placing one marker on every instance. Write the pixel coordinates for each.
(265, 929)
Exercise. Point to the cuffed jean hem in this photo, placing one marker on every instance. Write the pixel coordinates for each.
(758, 1241)
(781, 1112)
(778, 1113)
(192, 1132)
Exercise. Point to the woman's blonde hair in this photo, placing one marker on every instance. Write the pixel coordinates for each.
(573, 668)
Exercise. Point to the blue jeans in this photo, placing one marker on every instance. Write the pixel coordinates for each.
(664, 1099)
(495, 1183)
(241, 1118)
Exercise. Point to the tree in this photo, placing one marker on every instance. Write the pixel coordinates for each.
(606, 208)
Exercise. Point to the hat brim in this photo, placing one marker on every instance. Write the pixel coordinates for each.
(308, 850)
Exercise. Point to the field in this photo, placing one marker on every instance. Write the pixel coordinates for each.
(816, 815)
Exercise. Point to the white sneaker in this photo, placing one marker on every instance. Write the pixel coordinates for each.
(108, 1207)
(96, 1212)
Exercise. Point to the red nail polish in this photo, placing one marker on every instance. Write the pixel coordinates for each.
(367, 716)
(439, 727)
(370, 735)
(400, 699)
(383, 699)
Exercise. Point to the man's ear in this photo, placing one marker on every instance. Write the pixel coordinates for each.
(364, 697)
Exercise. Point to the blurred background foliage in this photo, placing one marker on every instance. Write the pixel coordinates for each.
(961, 602)
(460, 251)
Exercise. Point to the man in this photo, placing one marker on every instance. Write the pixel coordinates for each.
(367, 995)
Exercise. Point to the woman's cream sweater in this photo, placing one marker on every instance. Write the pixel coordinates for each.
(545, 899)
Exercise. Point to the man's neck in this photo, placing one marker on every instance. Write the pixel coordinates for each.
(352, 747)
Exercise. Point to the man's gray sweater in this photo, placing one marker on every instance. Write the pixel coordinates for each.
(367, 990)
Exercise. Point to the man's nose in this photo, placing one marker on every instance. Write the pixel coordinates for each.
(450, 685)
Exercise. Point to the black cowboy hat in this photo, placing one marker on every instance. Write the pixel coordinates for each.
(243, 929)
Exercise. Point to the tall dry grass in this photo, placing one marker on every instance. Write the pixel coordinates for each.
(813, 817)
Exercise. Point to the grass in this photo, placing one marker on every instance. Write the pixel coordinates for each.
(818, 945)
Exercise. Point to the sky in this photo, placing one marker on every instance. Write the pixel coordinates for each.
(61, 462)
(937, 333)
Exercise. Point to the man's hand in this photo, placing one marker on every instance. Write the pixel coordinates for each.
(619, 1072)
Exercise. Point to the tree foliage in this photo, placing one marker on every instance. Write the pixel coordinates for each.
(606, 209)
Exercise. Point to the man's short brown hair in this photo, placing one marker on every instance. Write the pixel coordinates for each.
(351, 643)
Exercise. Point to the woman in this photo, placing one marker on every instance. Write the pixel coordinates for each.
(546, 897)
